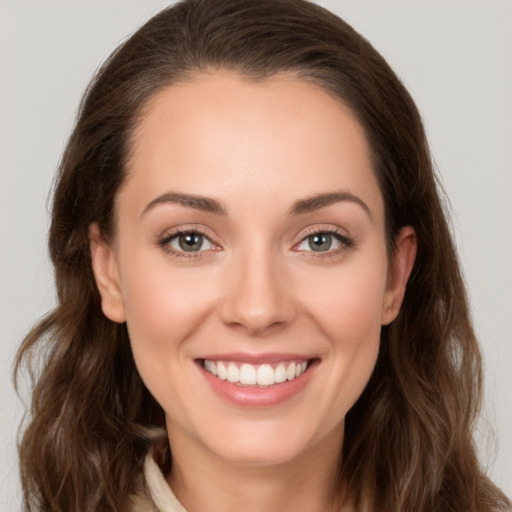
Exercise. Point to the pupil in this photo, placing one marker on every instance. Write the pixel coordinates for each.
(320, 242)
(191, 242)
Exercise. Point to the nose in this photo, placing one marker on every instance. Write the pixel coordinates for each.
(258, 295)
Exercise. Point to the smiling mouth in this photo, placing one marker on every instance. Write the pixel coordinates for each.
(256, 375)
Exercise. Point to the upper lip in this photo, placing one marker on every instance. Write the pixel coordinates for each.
(244, 357)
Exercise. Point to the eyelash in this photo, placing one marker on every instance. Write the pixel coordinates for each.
(346, 243)
(165, 241)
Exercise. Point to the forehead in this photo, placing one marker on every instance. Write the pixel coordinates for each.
(219, 133)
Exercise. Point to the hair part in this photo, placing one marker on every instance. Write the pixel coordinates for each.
(408, 440)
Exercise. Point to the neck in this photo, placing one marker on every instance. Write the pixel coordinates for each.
(199, 479)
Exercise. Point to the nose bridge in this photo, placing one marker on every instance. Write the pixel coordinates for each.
(257, 295)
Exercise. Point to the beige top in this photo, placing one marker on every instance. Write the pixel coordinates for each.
(155, 495)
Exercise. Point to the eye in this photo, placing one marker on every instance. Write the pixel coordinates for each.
(189, 241)
(323, 241)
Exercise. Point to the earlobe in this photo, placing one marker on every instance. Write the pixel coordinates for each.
(400, 269)
(104, 265)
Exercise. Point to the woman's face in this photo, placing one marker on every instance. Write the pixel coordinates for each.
(250, 265)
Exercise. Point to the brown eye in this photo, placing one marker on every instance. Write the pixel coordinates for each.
(190, 242)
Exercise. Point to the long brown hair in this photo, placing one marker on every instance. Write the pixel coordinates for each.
(408, 443)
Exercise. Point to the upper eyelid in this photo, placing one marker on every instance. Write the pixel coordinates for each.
(193, 228)
(172, 236)
(322, 228)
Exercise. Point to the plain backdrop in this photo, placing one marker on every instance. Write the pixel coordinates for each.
(455, 56)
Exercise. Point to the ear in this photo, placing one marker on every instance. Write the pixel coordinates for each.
(106, 274)
(399, 271)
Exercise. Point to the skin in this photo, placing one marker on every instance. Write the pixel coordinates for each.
(257, 148)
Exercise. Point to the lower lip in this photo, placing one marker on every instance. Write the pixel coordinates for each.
(249, 396)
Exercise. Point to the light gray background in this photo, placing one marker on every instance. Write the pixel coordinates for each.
(454, 55)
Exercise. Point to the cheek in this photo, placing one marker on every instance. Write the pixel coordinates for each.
(351, 316)
(347, 308)
(159, 300)
(164, 308)
(348, 304)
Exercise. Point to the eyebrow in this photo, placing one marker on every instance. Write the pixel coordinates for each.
(321, 200)
(206, 204)
(302, 206)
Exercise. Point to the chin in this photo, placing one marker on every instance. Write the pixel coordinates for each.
(266, 443)
(258, 455)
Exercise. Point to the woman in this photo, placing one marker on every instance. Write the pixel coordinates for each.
(259, 301)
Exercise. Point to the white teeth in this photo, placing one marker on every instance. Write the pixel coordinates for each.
(233, 373)
(251, 375)
(290, 371)
(221, 370)
(247, 375)
(280, 372)
(265, 375)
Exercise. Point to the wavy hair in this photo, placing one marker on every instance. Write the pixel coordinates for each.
(409, 438)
